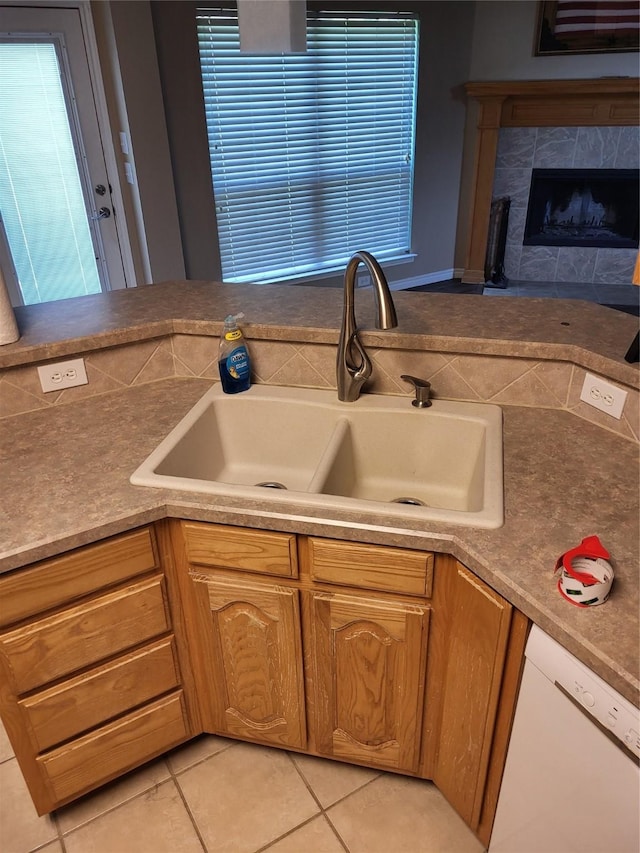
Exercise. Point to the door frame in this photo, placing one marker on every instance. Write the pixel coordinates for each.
(123, 227)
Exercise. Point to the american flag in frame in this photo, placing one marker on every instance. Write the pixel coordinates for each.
(587, 26)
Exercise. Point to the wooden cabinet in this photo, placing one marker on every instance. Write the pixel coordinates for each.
(367, 630)
(473, 675)
(91, 681)
(245, 631)
(389, 657)
(366, 674)
(251, 660)
(404, 660)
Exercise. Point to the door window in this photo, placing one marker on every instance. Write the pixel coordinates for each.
(59, 233)
(41, 197)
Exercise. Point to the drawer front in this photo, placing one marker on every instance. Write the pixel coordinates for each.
(370, 566)
(103, 754)
(235, 548)
(80, 636)
(51, 583)
(87, 701)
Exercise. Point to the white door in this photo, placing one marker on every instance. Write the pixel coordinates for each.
(58, 228)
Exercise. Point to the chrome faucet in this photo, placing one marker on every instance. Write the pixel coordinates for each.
(353, 366)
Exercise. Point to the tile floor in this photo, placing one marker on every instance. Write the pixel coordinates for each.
(620, 296)
(624, 297)
(216, 795)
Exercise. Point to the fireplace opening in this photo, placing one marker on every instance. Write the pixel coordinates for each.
(583, 207)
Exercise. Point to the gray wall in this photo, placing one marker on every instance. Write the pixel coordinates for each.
(446, 30)
(127, 52)
(460, 41)
(503, 42)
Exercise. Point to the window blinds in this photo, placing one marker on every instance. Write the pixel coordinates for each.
(311, 154)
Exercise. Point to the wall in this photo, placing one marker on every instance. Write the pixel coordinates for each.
(502, 49)
(126, 47)
(503, 40)
(460, 41)
(446, 30)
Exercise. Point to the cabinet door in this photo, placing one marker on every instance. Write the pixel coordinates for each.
(472, 636)
(366, 671)
(253, 660)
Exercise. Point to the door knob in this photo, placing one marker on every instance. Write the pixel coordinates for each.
(103, 213)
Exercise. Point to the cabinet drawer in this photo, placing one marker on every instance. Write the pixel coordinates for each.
(370, 566)
(51, 583)
(88, 700)
(100, 755)
(80, 636)
(258, 551)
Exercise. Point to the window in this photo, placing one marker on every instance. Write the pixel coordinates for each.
(311, 154)
(42, 207)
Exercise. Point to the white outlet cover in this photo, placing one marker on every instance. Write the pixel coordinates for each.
(603, 395)
(62, 374)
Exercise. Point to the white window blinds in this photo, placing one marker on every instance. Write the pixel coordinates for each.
(311, 154)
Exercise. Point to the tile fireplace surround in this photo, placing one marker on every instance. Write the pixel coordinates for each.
(522, 149)
(548, 124)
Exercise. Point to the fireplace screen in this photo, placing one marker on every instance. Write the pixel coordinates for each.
(583, 207)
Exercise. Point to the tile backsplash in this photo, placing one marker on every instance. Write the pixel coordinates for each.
(497, 379)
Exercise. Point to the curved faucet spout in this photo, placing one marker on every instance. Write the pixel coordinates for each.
(353, 366)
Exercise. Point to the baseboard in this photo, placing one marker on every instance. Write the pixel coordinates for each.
(418, 280)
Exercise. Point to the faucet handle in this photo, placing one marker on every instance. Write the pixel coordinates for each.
(422, 389)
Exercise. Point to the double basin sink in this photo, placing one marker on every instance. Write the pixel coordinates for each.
(377, 456)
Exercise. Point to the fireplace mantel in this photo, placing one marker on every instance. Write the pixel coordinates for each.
(610, 101)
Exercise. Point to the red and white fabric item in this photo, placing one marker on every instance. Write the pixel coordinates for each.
(586, 575)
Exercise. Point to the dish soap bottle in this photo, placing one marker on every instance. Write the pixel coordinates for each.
(233, 358)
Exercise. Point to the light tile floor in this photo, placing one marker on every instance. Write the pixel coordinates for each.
(624, 297)
(618, 295)
(216, 795)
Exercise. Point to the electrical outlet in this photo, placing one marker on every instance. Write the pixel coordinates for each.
(364, 279)
(600, 394)
(63, 374)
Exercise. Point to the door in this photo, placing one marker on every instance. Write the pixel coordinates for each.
(58, 229)
(366, 678)
(251, 646)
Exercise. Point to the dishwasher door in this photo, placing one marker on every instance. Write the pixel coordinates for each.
(571, 780)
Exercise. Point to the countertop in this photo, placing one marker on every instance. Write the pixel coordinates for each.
(65, 470)
(587, 334)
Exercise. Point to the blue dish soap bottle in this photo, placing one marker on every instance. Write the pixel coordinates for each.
(233, 357)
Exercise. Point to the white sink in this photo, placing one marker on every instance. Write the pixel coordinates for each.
(303, 446)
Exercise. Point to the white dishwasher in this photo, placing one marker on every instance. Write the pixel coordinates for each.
(572, 775)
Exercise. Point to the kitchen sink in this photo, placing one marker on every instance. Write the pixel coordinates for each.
(378, 455)
(246, 440)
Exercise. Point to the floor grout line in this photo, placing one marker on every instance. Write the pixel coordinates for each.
(185, 803)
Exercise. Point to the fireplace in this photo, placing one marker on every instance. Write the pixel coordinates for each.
(607, 108)
(583, 207)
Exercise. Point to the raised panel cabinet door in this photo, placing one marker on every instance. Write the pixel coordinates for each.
(254, 666)
(366, 678)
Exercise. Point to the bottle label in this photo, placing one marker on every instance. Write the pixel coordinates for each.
(237, 363)
(233, 336)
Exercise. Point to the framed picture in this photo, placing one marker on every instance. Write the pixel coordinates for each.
(591, 26)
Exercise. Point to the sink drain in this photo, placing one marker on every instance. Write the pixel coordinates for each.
(272, 484)
(409, 501)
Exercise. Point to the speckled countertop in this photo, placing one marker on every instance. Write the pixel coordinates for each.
(587, 334)
(64, 484)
